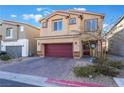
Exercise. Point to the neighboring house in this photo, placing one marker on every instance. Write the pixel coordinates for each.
(70, 33)
(115, 38)
(18, 39)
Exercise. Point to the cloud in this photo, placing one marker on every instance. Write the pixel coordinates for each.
(36, 17)
(40, 9)
(105, 25)
(81, 9)
(46, 13)
(13, 15)
(28, 16)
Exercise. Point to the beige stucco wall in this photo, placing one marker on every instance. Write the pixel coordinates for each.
(46, 33)
(14, 34)
(79, 26)
(66, 28)
(31, 33)
(77, 46)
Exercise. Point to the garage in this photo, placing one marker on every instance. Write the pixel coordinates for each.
(59, 50)
(14, 51)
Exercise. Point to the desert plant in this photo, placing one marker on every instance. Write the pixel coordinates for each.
(116, 64)
(5, 57)
(84, 71)
(95, 70)
(105, 61)
(106, 70)
(101, 66)
(100, 60)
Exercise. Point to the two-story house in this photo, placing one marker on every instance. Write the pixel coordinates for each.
(70, 33)
(18, 39)
(115, 38)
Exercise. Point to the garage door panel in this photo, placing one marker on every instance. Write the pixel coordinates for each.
(14, 51)
(58, 50)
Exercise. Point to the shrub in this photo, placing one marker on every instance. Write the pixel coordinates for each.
(5, 57)
(99, 61)
(84, 71)
(106, 70)
(103, 61)
(3, 53)
(101, 66)
(116, 64)
(106, 67)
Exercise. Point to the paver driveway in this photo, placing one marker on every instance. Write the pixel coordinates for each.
(46, 67)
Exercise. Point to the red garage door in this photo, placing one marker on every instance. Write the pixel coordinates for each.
(58, 50)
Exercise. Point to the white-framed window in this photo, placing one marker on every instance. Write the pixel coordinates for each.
(72, 21)
(57, 25)
(91, 25)
(44, 24)
(21, 28)
(9, 32)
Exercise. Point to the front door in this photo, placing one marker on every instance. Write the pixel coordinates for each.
(86, 49)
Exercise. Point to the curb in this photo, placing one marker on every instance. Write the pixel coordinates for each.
(43, 81)
(72, 83)
(27, 79)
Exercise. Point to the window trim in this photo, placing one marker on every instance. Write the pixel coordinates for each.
(72, 23)
(96, 25)
(45, 26)
(56, 20)
(20, 28)
(11, 33)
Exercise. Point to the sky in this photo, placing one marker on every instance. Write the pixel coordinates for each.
(32, 13)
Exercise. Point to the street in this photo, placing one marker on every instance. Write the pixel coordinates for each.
(8, 83)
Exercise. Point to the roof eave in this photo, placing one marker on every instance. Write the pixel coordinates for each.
(71, 12)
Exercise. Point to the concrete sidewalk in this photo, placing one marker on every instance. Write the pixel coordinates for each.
(27, 79)
(119, 81)
(43, 81)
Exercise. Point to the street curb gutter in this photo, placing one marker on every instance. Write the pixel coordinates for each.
(27, 79)
(43, 81)
(72, 83)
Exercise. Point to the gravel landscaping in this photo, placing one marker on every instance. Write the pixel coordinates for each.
(114, 57)
(118, 58)
(13, 61)
(101, 79)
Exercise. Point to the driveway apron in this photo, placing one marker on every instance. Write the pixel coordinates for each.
(47, 67)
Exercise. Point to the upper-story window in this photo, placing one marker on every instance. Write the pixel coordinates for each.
(57, 25)
(72, 21)
(21, 28)
(9, 32)
(44, 24)
(91, 25)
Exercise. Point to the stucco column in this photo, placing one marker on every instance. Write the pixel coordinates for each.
(99, 50)
(77, 49)
(40, 48)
